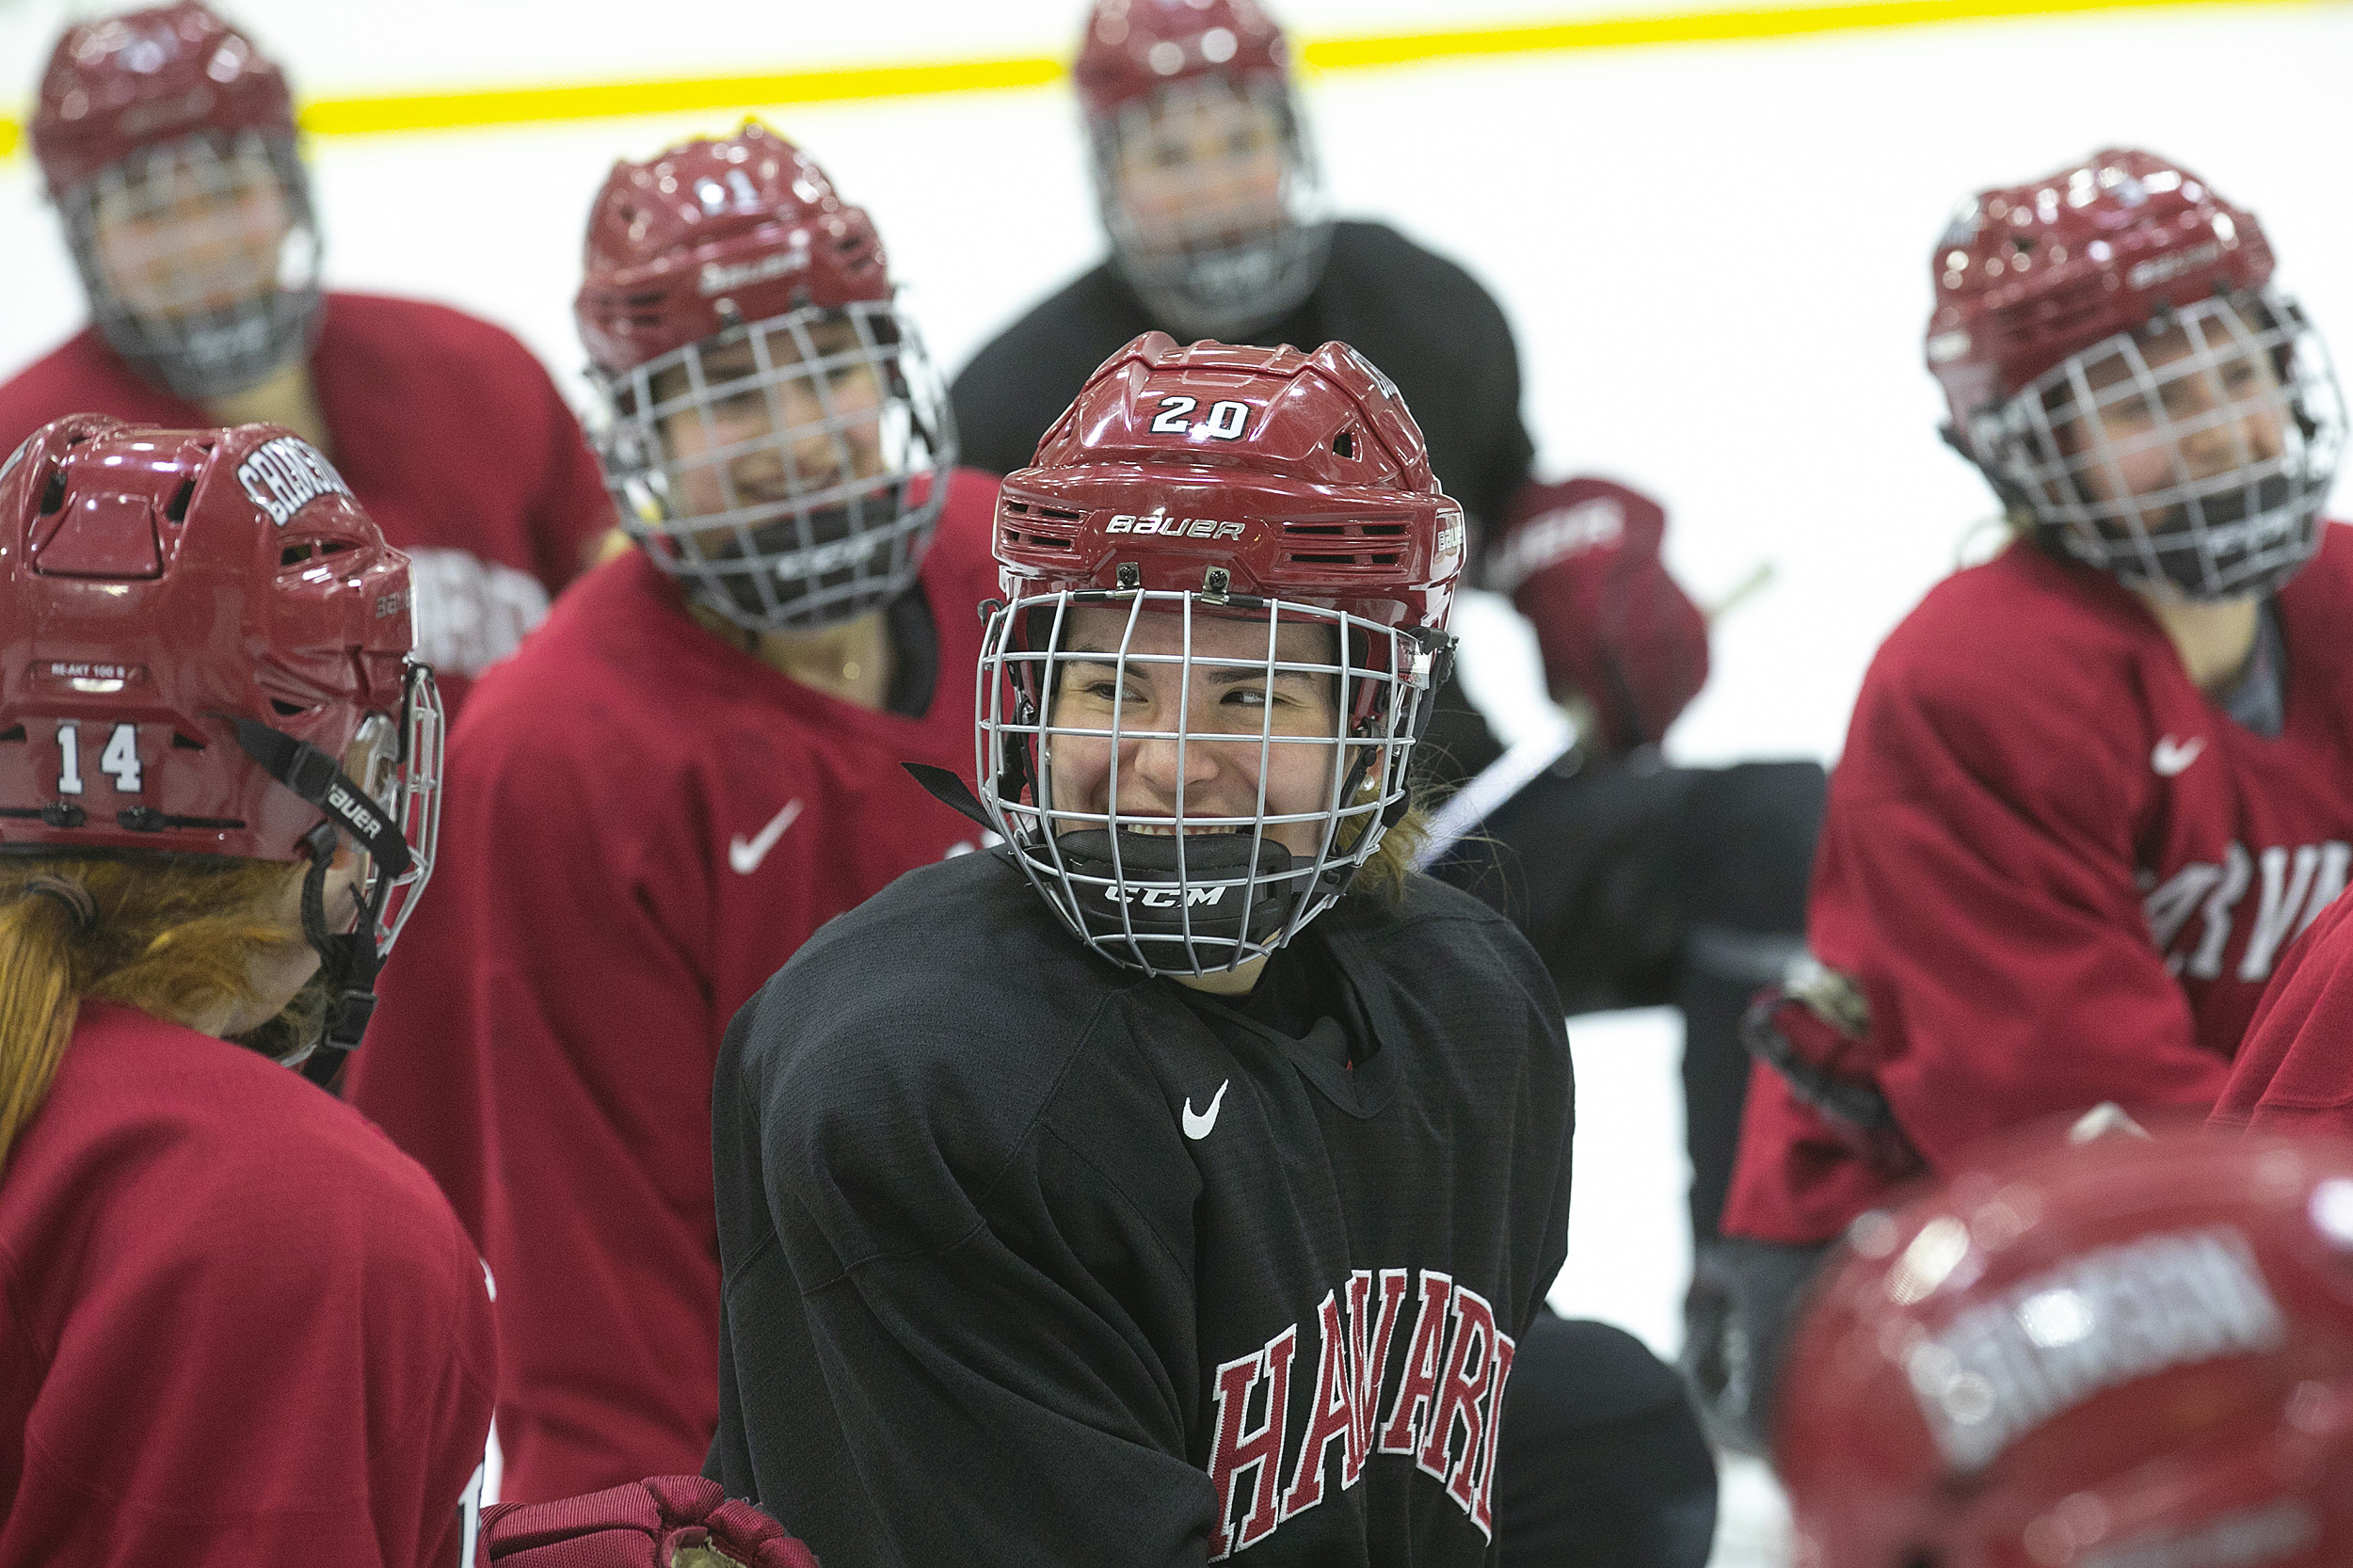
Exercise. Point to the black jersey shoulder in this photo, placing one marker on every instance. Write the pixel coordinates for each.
(918, 1037)
(1441, 953)
(1022, 379)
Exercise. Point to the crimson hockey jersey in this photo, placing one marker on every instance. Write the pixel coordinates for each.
(1033, 1259)
(447, 430)
(2060, 872)
(242, 1330)
(641, 824)
(2294, 1072)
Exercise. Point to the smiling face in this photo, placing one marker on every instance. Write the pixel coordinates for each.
(797, 429)
(1201, 168)
(1227, 707)
(2191, 403)
(190, 231)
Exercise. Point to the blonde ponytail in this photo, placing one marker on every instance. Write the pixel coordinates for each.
(173, 938)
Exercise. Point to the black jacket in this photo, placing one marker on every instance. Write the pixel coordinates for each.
(1017, 1244)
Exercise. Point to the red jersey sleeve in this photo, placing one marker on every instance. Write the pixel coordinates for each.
(2294, 1072)
(556, 1024)
(1979, 877)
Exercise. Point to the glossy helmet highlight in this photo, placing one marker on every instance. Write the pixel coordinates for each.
(777, 439)
(2129, 1354)
(1204, 171)
(1227, 581)
(168, 143)
(2119, 364)
(204, 650)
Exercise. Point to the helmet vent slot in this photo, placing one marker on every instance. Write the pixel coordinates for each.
(176, 510)
(1344, 444)
(286, 710)
(53, 492)
(14, 732)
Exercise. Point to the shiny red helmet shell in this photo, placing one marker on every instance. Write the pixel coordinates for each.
(1300, 477)
(147, 78)
(2076, 1355)
(155, 584)
(711, 234)
(1133, 48)
(2030, 275)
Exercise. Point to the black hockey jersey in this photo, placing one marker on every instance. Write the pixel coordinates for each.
(1428, 324)
(1031, 1260)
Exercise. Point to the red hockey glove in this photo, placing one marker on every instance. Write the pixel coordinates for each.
(1814, 1029)
(667, 1522)
(1580, 559)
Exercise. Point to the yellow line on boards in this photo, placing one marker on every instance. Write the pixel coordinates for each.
(335, 117)
(1622, 32)
(482, 107)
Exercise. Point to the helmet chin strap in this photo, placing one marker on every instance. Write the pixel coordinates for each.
(348, 961)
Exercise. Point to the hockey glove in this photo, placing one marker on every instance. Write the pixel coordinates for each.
(667, 1522)
(1580, 560)
(1811, 1030)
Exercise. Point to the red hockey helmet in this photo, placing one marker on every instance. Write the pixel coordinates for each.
(1256, 522)
(168, 142)
(726, 280)
(204, 650)
(123, 83)
(1134, 48)
(2115, 360)
(1205, 173)
(2134, 1352)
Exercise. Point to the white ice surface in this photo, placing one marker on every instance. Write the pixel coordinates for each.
(1715, 257)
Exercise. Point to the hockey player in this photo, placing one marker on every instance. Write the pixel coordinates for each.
(2094, 786)
(242, 1327)
(2124, 1356)
(692, 767)
(1185, 1178)
(1638, 883)
(168, 143)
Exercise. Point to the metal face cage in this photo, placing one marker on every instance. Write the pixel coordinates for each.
(1215, 206)
(200, 259)
(787, 472)
(400, 769)
(1184, 784)
(2193, 455)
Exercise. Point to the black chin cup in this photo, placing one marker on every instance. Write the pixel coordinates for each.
(1177, 886)
(2187, 566)
(839, 548)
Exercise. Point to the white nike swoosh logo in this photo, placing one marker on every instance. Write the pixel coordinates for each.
(2172, 755)
(745, 856)
(1197, 1125)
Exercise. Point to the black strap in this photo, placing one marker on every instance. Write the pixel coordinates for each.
(950, 790)
(321, 780)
